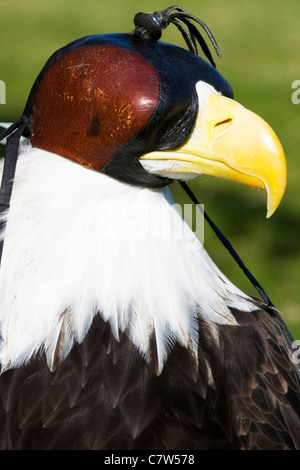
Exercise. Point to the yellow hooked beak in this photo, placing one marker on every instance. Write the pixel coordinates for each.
(229, 142)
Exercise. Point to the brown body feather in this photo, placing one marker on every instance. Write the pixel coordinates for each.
(242, 394)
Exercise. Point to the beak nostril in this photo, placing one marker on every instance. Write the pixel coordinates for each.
(223, 123)
(221, 126)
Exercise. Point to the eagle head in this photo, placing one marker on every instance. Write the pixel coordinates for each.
(146, 112)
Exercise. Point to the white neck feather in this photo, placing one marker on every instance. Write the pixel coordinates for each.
(78, 243)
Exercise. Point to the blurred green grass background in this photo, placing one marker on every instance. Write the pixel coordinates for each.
(260, 58)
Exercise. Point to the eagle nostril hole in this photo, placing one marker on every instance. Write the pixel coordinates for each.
(223, 125)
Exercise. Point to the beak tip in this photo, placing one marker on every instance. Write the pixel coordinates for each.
(273, 201)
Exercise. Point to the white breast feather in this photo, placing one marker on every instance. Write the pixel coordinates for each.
(78, 242)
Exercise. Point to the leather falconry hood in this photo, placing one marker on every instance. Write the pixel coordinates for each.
(105, 100)
(109, 98)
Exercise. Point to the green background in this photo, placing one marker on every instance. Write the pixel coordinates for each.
(260, 48)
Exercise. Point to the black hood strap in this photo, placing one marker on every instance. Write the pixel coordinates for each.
(15, 132)
(228, 246)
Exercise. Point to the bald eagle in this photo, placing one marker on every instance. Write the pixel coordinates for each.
(118, 331)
